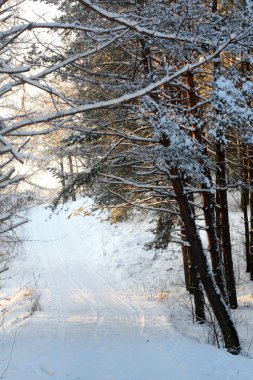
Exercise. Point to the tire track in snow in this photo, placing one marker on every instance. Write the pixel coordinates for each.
(78, 275)
(88, 329)
(81, 302)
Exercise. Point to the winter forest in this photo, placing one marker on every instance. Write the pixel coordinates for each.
(126, 221)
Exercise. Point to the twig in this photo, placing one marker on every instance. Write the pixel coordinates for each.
(10, 357)
(249, 347)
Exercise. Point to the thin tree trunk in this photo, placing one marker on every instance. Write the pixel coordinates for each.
(214, 6)
(217, 213)
(250, 158)
(192, 282)
(197, 291)
(224, 224)
(195, 284)
(247, 237)
(244, 206)
(63, 182)
(71, 170)
(186, 263)
(247, 197)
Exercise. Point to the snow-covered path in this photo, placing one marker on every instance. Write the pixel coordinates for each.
(88, 329)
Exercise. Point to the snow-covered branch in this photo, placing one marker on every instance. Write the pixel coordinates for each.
(133, 25)
(13, 226)
(6, 69)
(112, 102)
(18, 29)
(33, 79)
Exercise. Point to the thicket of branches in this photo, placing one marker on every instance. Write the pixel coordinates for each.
(155, 101)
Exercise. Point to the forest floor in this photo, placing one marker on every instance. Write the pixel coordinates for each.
(84, 300)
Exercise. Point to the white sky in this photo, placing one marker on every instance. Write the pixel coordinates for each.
(37, 11)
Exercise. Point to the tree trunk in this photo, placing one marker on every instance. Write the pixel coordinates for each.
(214, 243)
(213, 293)
(197, 291)
(222, 217)
(247, 172)
(244, 205)
(250, 157)
(208, 202)
(187, 264)
(63, 182)
(71, 170)
(214, 6)
(226, 248)
(192, 282)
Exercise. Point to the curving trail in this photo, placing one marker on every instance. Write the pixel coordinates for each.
(88, 329)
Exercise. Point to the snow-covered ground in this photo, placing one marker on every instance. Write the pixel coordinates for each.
(85, 301)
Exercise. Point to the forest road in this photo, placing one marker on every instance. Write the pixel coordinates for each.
(84, 327)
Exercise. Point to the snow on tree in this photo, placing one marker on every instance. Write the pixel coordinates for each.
(145, 85)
